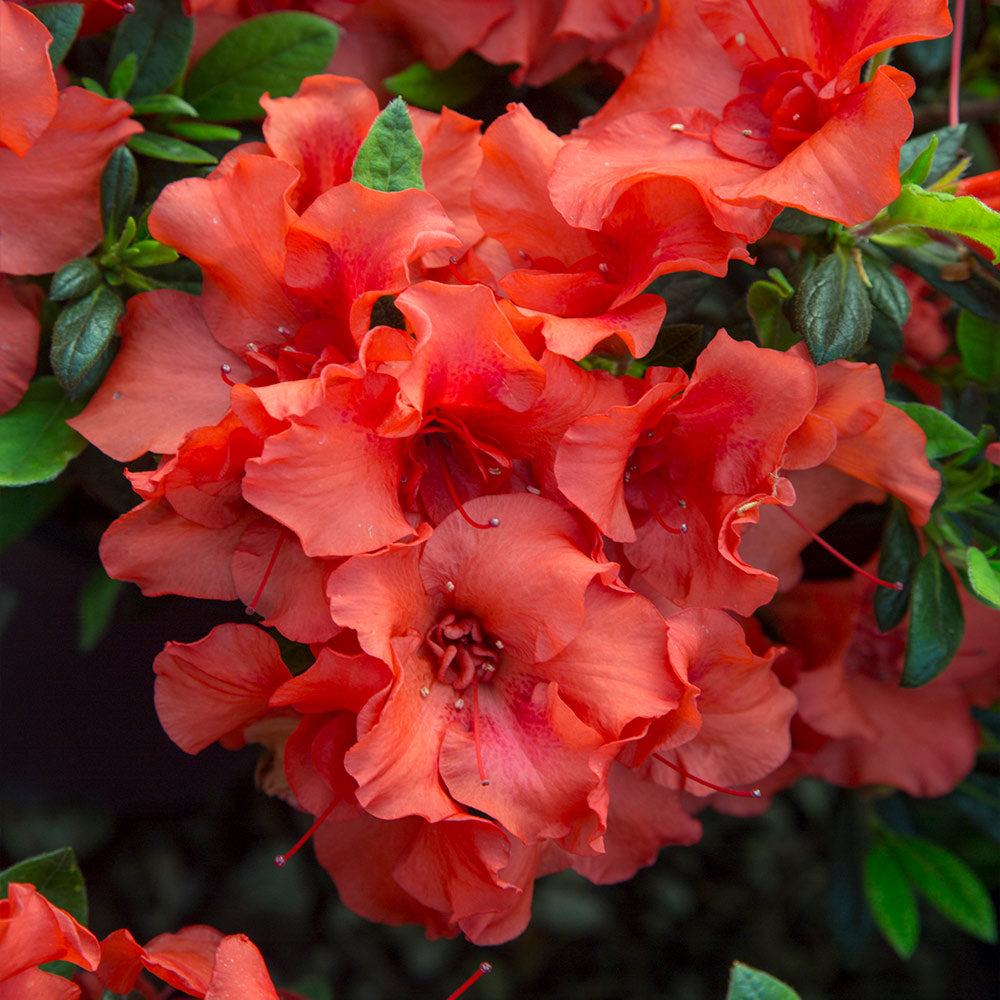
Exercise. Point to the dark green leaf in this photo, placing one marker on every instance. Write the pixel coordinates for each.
(949, 885)
(949, 142)
(273, 53)
(936, 623)
(832, 309)
(389, 158)
(93, 86)
(163, 104)
(748, 983)
(160, 36)
(97, 605)
(22, 507)
(81, 334)
(891, 899)
(166, 147)
(898, 561)
(944, 435)
(791, 220)
(123, 76)
(119, 181)
(979, 798)
(35, 441)
(946, 213)
(676, 345)
(63, 21)
(56, 876)
(887, 292)
(453, 86)
(205, 132)
(983, 577)
(765, 303)
(72, 280)
(979, 344)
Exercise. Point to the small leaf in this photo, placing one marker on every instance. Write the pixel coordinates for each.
(936, 623)
(918, 169)
(798, 223)
(119, 181)
(946, 213)
(205, 132)
(150, 253)
(979, 344)
(160, 36)
(765, 303)
(453, 86)
(949, 885)
(56, 876)
(63, 22)
(887, 292)
(897, 561)
(75, 279)
(166, 147)
(123, 75)
(96, 608)
(891, 899)
(389, 158)
(81, 335)
(949, 142)
(163, 104)
(35, 440)
(944, 435)
(748, 983)
(273, 53)
(983, 577)
(832, 308)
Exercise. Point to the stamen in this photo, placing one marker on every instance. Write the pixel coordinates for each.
(454, 495)
(755, 794)
(282, 859)
(766, 29)
(224, 370)
(898, 585)
(251, 608)
(475, 729)
(452, 262)
(682, 530)
(481, 971)
(126, 7)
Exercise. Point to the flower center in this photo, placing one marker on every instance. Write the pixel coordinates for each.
(463, 652)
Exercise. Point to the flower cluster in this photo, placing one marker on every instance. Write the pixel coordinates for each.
(524, 583)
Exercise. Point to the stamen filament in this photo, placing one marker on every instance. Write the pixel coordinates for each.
(755, 794)
(682, 530)
(251, 608)
(483, 780)
(282, 859)
(956, 62)
(898, 585)
(481, 971)
(454, 493)
(764, 27)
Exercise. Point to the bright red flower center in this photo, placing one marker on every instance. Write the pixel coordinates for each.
(792, 102)
(464, 653)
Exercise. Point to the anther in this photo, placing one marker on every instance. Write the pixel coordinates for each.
(481, 971)
(498, 643)
(460, 703)
(449, 585)
(682, 503)
(282, 859)
(677, 127)
(534, 489)
(684, 529)
(740, 39)
(493, 470)
(650, 434)
(425, 691)
(224, 370)
(748, 132)
(494, 522)
(755, 793)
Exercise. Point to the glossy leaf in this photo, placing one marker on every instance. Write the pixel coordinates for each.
(81, 335)
(63, 22)
(887, 292)
(119, 182)
(916, 171)
(946, 213)
(272, 53)
(891, 899)
(765, 303)
(948, 143)
(163, 104)
(949, 885)
(166, 147)
(748, 983)
(389, 158)
(160, 36)
(937, 623)
(799, 223)
(74, 279)
(56, 876)
(832, 308)
(898, 561)
(205, 132)
(944, 435)
(123, 76)
(983, 577)
(35, 441)
(979, 345)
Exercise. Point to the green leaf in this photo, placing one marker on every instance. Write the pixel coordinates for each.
(81, 335)
(897, 561)
(160, 36)
(123, 76)
(96, 608)
(273, 53)
(979, 798)
(948, 884)
(453, 86)
(946, 213)
(205, 132)
(150, 253)
(832, 309)
(166, 147)
(948, 142)
(944, 435)
(979, 344)
(56, 876)
(765, 303)
(63, 22)
(22, 507)
(163, 104)
(887, 292)
(983, 577)
(119, 181)
(35, 441)
(676, 344)
(891, 899)
(936, 623)
(798, 223)
(748, 983)
(918, 169)
(389, 158)
(75, 279)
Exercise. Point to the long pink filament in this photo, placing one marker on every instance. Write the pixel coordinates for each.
(956, 62)
(282, 859)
